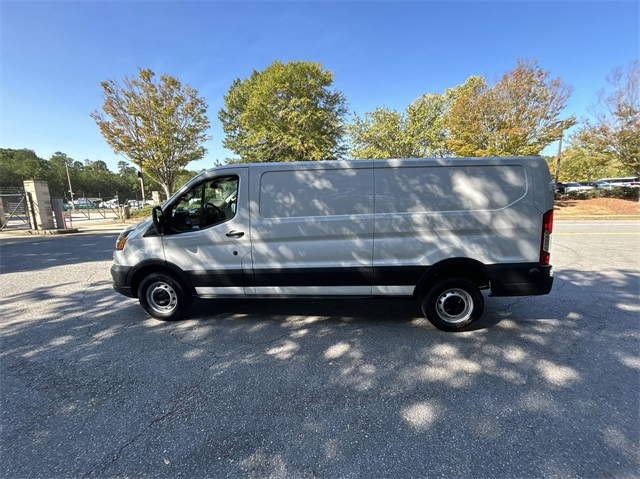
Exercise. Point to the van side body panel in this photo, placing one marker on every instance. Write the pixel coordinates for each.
(430, 211)
(312, 228)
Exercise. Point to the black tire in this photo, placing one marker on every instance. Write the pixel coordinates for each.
(163, 297)
(453, 304)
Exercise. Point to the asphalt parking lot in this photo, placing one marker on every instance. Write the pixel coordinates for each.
(541, 387)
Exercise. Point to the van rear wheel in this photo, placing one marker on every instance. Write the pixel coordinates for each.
(163, 297)
(453, 304)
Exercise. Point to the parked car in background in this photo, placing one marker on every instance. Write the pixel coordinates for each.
(622, 181)
(137, 204)
(575, 186)
(559, 187)
(81, 204)
(603, 185)
(109, 203)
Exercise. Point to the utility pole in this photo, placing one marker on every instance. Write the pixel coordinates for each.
(558, 161)
(66, 165)
(141, 184)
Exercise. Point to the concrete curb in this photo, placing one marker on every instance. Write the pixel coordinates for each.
(557, 217)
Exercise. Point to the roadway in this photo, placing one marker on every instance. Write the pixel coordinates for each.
(541, 387)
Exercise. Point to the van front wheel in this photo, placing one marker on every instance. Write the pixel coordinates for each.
(162, 297)
(453, 304)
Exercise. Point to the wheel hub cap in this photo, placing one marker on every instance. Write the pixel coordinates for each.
(454, 306)
(162, 297)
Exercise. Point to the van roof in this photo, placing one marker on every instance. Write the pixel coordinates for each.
(448, 161)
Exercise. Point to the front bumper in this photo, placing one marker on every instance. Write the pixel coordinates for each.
(120, 275)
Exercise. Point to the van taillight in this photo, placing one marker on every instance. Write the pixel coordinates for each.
(545, 245)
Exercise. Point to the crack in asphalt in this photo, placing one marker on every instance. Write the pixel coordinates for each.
(178, 402)
(508, 306)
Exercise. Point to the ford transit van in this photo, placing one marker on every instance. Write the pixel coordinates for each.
(439, 230)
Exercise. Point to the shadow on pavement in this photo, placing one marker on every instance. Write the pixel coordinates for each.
(298, 388)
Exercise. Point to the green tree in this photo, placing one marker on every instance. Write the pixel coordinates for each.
(426, 124)
(159, 125)
(57, 175)
(287, 112)
(95, 180)
(614, 132)
(579, 163)
(380, 134)
(421, 131)
(518, 115)
(95, 165)
(16, 166)
(125, 168)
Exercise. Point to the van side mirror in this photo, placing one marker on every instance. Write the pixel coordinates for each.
(158, 220)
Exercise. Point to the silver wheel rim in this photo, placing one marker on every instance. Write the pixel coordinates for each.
(162, 298)
(454, 306)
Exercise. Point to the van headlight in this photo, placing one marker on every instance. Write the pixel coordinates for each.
(122, 237)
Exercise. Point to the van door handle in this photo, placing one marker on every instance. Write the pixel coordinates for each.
(235, 234)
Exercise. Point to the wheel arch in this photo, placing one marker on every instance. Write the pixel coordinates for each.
(145, 268)
(468, 268)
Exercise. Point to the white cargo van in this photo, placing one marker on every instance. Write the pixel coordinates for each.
(439, 230)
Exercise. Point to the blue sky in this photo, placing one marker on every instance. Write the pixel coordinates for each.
(54, 54)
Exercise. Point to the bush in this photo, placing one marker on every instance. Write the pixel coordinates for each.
(143, 212)
(575, 195)
(624, 192)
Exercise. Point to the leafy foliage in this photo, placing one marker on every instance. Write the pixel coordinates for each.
(614, 132)
(19, 165)
(519, 115)
(426, 117)
(421, 131)
(160, 126)
(90, 179)
(579, 162)
(289, 111)
(286, 112)
(380, 134)
(143, 212)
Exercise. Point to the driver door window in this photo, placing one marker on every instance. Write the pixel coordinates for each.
(207, 204)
